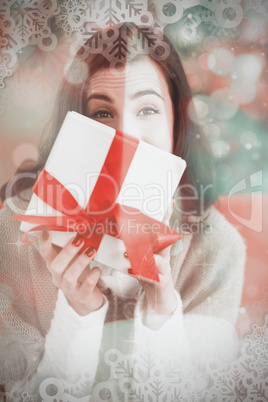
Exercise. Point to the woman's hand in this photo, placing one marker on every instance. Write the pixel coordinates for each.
(160, 296)
(71, 273)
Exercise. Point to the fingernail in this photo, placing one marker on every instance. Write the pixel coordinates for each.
(77, 241)
(45, 235)
(90, 251)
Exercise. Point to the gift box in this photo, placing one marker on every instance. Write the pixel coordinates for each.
(109, 187)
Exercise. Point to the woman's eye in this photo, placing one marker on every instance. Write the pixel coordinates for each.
(101, 114)
(149, 110)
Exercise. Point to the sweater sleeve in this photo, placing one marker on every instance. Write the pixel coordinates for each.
(163, 336)
(185, 341)
(210, 280)
(71, 353)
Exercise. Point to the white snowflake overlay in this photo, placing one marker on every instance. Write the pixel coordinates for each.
(39, 22)
(142, 378)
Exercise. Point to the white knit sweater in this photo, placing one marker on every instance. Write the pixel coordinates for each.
(42, 337)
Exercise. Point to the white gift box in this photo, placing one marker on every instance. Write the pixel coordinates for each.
(76, 160)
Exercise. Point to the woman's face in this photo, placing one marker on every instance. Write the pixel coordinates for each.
(134, 100)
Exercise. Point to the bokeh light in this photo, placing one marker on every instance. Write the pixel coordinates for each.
(194, 81)
(207, 61)
(247, 67)
(78, 74)
(243, 92)
(221, 61)
(199, 109)
(212, 131)
(24, 151)
(220, 148)
(223, 105)
(249, 139)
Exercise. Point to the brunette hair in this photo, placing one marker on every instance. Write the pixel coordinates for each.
(196, 192)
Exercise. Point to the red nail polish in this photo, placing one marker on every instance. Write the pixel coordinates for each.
(77, 241)
(90, 251)
(45, 235)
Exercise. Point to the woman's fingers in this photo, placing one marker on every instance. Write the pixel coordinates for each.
(77, 271)
(142, 279)
(65, 256)
(46, 249)
(162, 263)
(85, 296)
(71, 273)
(90, 281)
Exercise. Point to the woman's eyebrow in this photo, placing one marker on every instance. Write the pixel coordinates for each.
(100, 97)
(145, 92)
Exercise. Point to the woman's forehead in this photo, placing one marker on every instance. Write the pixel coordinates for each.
(141, 73)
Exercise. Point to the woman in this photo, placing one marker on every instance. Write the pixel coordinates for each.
(54, 306)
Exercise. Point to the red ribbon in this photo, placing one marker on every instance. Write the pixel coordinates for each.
(142, 239)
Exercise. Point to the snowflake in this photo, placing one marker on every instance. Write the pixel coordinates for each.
(133, 7)
(145, 378)
(123, 42)
(228, 385)
(220, 32)
(77, 15)
(31, 20)
(259, 392)
(246, 378)
(84, 386)
(111, 12)
(255, 28)
(27, 397)
(4, 71)
(206, 14)
(191, 21)
(71, 16)
(259, 6)
(258, 345)
(26, 22)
